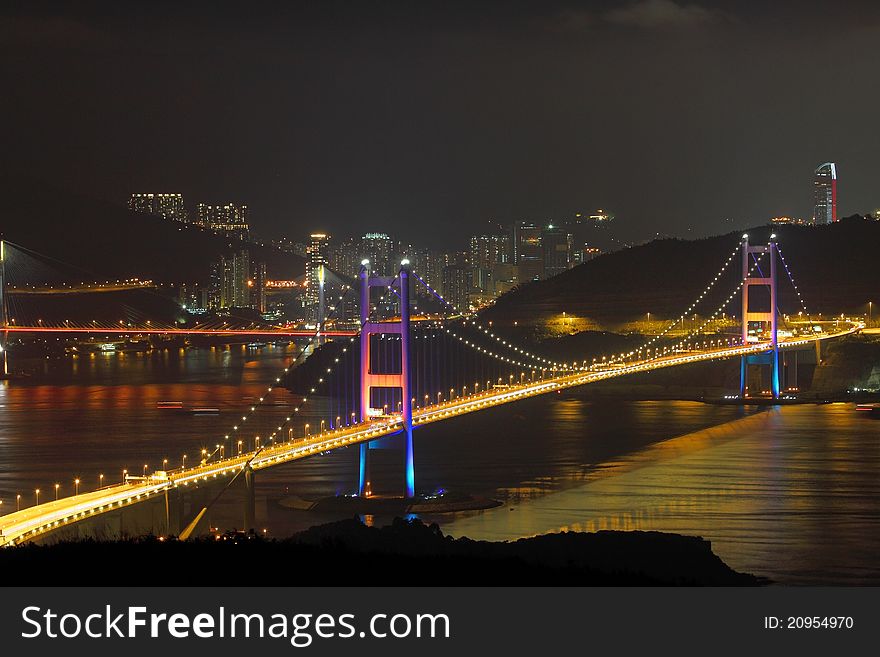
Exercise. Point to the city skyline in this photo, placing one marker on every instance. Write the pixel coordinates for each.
(431, 119)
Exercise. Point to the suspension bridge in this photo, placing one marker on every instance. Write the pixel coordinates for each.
(395, 376)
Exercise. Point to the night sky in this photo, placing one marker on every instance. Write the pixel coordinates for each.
(428, 119)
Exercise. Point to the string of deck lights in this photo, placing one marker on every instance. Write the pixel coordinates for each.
(712, 317)
(483, 350)
(253, 409)
(544, 361)
(687, 312)
(791, 278)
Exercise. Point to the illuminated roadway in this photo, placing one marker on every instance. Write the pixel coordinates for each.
(261, 333)
(35, 521)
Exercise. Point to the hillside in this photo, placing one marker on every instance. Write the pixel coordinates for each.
(835, 267)
(348, 551)
(113, 242)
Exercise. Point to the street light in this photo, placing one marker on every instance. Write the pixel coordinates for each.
(76, 486)
(124, 474)
(145, 470)
(57, 486)
(37, 494)
(18, 502)
(100, 481)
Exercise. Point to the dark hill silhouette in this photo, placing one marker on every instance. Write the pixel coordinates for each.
(347, 552)
(113, 242)
(835, 267)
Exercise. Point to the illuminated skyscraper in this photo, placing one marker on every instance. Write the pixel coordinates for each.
(318, 259)
(457, 286)
(230, 218)
(825, 194)
(378, 248)
(169, 206)
(490, 250)
(527, 251)
(258, 288)
(234, 277)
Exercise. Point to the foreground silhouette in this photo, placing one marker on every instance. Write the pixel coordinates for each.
(403, 553)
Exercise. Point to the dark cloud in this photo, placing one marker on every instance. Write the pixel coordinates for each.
(52, 32)
(663, 14)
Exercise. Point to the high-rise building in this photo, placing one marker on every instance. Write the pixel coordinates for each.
(235, 283)
(258, 287)
(169, 206)
(231, 219)
(428, 264)
(456, 286)
(378, 248)
(235, 280)
(344, 257)
(556, 247)
(825, 194)
(527, 251)
(317, 261)
(194, 297)
(489, 250)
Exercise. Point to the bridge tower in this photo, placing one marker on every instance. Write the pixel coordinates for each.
(4, 334)
(370, 379)
(766, 320)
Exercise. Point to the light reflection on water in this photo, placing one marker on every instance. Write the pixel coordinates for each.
(788, 493)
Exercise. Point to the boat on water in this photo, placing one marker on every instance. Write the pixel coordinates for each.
(205, 411)
(170, 405)
(871, 409)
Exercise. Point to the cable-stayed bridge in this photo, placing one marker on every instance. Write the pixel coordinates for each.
(395, 376)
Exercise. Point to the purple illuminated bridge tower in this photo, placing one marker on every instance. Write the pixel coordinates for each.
(371, 379)
(766, 322)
